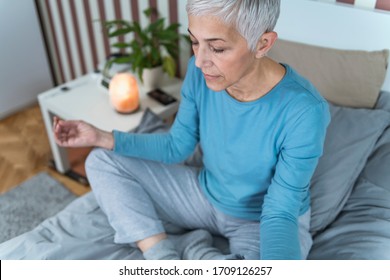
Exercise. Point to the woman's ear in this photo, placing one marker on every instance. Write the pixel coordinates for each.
(265, 43)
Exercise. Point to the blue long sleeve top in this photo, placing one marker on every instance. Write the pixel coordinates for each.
(258, 156)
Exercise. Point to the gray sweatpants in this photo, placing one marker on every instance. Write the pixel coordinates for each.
(143, 198)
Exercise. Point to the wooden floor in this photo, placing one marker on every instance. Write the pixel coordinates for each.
(25, 151)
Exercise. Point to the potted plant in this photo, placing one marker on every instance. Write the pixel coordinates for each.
(154, 46)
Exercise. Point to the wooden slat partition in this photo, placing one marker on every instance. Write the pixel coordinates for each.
(75, 38)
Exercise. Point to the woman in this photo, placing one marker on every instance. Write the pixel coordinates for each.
(261, 127)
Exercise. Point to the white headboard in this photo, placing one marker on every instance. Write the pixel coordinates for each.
(334, 25)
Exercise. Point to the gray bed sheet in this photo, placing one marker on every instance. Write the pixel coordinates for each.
(360, 230)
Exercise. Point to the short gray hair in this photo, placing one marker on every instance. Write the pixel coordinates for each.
(251, 18)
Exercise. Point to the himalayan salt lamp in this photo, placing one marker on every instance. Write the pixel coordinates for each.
(123, 91)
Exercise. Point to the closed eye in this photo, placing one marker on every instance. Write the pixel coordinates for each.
(217, 50)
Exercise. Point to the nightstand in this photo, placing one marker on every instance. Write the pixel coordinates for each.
(87, 99)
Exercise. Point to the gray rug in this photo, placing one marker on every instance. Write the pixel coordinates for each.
(28, 204)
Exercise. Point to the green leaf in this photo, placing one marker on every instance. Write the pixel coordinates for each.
(142, 36)
(135, 46)
(111, 61)
(107, 67)
(156, 26)
(186, 38)
(120, 32)
(166, 35)
(117, 22)
(174, 27)
(121, 60)
(148, 44)
(138, 60)
(169, 66)
(140, 71)
(155, 53)
(149, 11)
(121, 45)
(172, 47)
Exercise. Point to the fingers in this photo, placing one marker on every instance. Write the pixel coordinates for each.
(55, 122)
(73, 133)
(55, 128)
(60, 132)
(62, 126)
(67, 133)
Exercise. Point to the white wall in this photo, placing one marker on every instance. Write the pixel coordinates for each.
(24, 69)
(336, 26)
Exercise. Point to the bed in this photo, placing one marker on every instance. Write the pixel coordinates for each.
(351, 186)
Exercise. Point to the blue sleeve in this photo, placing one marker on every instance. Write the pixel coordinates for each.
(302, 146)
(171, 147)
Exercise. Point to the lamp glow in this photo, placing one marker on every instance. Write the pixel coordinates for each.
(124, 93)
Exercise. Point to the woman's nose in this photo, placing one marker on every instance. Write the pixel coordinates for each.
(202, 58)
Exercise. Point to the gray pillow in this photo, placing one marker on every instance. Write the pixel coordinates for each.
(383, 101)
(351, 136)
(362, 229)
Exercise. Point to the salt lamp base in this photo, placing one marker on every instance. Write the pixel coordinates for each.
(129, 113)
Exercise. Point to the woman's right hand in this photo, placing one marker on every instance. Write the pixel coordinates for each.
(80, 134)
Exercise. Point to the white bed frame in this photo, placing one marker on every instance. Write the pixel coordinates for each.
(340, 26)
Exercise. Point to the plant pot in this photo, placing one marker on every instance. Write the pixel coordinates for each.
(152, 77)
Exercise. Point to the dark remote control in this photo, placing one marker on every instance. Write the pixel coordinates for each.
(161, 96)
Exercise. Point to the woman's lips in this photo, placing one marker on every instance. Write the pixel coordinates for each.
(209, 77)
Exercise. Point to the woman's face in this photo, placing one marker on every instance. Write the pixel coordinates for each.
(221, 53)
